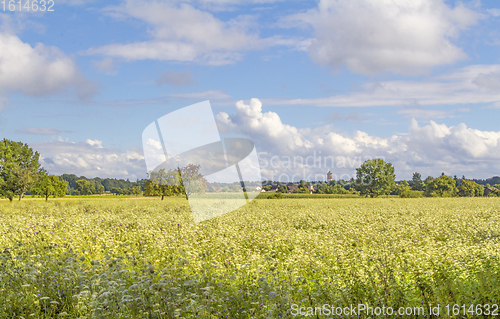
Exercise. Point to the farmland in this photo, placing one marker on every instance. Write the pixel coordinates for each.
(124, 258)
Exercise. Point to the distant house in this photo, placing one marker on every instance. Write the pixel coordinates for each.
(274, 188)
(217, 188)
(489, 190)
(311, 189)
(292, 188)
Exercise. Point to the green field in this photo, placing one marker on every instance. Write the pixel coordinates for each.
(136, 258)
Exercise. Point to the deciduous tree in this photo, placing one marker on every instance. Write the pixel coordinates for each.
(50, 185)
(192, 181)
(443, 186)
(163, 183)
(375, 177)
(416, 183)
(19, 168)
(404, 189)
(85, 187)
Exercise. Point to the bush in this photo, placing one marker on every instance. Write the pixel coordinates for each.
(415, 194)
(275, 196)
(445, 194)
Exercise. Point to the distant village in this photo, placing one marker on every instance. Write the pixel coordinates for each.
(331, 186)
(282, 187)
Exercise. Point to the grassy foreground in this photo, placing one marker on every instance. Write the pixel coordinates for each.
(123, 258)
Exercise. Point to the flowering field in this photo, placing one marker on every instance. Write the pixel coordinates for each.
(124, 258)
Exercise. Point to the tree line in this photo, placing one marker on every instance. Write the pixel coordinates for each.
(89, 186)
(376, 177)
(21, 173)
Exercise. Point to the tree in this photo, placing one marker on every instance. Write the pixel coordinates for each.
(116, 190)
(427, 183)
(479, 190)
(191, 180)
(235, 187)
(300, 190)
(19, 168)
(99, 188)
(416, 183)
(375, 177)
(50, 185)
(468, 188)
(404, 189)
(136, 190)
(85, 187)
(324, 188)
(282, 189)
(163, 183)
(443, 185)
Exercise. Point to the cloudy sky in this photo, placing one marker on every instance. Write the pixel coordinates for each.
(416, 82)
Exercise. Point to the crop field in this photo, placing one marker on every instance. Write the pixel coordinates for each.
(133, 258)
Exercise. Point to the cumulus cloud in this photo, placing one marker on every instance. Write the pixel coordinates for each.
(38, 71)
(372, 36)
(90, 159)
(181, 32)
(429, 149)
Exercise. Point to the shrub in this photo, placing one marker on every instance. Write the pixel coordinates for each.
(415, 194)
(275, 196)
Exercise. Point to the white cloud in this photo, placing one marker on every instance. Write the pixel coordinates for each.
(95, 143)
(205, 95)
(494, 12)
(489, 81)
(39, 131)
(107, 66)
(181, 32)
(39, 70)
(429, 149)
(372, 36)
(469, 85)
(426, 114)
(90, 159)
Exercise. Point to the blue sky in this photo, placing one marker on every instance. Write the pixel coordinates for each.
(415, 82)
